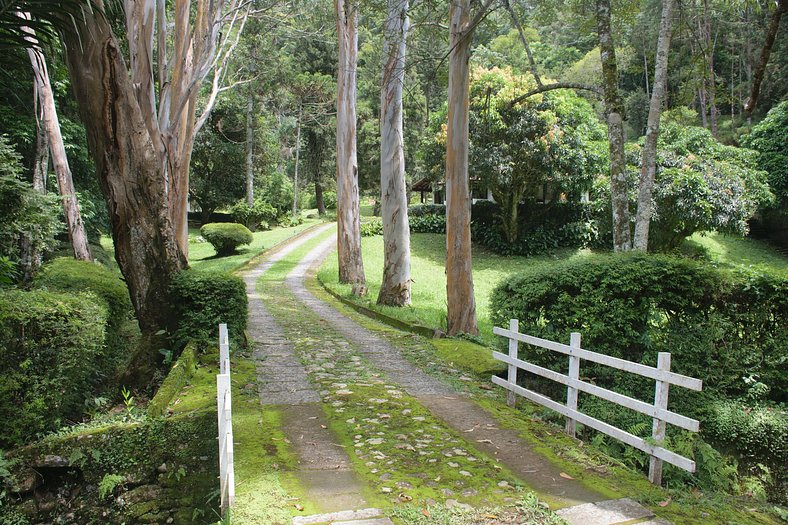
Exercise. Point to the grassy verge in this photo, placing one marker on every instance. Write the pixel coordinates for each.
(739, 253)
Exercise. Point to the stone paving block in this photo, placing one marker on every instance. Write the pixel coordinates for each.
(609, 512)
(345, 515)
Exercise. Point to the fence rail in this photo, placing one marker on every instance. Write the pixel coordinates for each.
(224, 410)
(658, 411)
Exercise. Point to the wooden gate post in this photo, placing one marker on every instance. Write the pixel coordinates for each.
(571, 392)
(658, 429)
(511, 397)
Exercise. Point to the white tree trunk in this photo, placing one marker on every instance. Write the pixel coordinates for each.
(250, 150)
(461, 304)
(351, 267)
(649, 159)
(395, 289)
(68, 195)
(41, 164)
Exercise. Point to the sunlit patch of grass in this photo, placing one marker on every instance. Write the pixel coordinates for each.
(740, 253)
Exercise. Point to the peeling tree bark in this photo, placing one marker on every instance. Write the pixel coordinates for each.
(461, 303)
(395, 289)
(614, 110)
(649, 160)
(41, 164)
(351, 266)
(250, 149)
(68, 195)
(128, 167)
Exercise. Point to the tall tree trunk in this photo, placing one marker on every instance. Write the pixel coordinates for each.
(319, 201)
(461, 303)
(68, 195)
(128, 167)
(395, 289)
(41, 164)
(649, 160)
(351, 266)
(766, 51)
(710, 80)
(615, 129)
(297, 158)
(250, 149)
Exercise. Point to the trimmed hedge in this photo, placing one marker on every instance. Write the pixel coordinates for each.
(52, 354)
(70, 275)
(226, 237)
(202, 300)
(372, 227)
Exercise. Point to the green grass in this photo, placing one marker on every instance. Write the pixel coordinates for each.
(739, 253)
(203, 257)
(428, 256)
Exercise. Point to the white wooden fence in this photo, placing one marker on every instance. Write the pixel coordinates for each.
(658, 411)
(224, 406)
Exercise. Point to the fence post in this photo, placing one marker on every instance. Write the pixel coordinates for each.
(658, 429)
(511, 397)
(222, 388)
(571, 392)
(224, 349)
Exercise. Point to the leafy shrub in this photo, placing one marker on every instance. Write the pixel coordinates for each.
(255, 217)
(7, 271)
(720, 327)
(427, 224)
(768, 139)
(756, 433)
(372, 227)
(203, 300)
(226, 237)
(289, 220)
(421, 210)
(51, 355)
(68, 274)
(329, 199)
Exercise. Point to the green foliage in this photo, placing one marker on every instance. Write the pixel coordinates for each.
(202, 300)
(226, 237)
(757, 433)
(768, 139)
(52, 354)
(700, 185)
(70, 275)
(108, 484)
(329, 199)
(24, 213)
(277, 190)
(372, 227)
(7, 271)
(258, 216)
(718, 326)
(427, 224)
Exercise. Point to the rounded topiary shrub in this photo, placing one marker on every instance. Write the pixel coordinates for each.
(226, 237)
(202, 300)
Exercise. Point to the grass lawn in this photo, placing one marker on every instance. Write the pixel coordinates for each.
(428, 255)
(203, 257)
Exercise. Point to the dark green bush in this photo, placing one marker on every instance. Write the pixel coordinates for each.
(718, 326)
(257, 216)
(421, 210)
(372, 227)
(202, 300)
(52, 354)
(329, 199)
(68, 274)
(226, 237)
(427, 223)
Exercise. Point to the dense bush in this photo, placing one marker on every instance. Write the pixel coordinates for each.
(329, 199)
(258, 216)
(52, 354)
(421, 210)
(372, 227)
(226, 237)
(68, 274)
(202, 300)
(720, 327)
(427, 224)
(768, 139)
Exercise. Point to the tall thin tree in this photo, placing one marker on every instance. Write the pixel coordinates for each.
(351, 266)
(395, 289)
(649, 159)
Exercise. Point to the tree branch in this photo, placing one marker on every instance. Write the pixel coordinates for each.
(760, 69)
(556, 85)
(531, 61)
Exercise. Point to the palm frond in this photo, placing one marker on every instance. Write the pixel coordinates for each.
(48, 18)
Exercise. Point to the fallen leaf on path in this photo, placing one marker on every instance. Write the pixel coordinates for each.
(666, 502)
(298, 507)
(425, 512)
(323, 426)
(491, 516)
(565, 475)
(485, 387)
(484, 441)
(405, 497)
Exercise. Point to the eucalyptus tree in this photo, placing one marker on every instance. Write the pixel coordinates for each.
(395, 288)
(351, 266)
